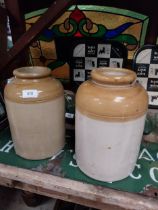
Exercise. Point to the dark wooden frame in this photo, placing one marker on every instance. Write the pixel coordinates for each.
(3, 118)
(53, 13)
(50, 185)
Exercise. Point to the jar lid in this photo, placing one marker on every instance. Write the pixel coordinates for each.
(32, 72)
(113, 76)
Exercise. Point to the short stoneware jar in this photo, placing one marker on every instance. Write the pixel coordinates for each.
(35, 108)
(110, 114)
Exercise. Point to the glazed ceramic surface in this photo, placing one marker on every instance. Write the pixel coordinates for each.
(35, 107)
(110, 116)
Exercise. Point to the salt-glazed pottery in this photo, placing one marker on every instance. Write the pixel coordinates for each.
(110, 115)
(35, 108)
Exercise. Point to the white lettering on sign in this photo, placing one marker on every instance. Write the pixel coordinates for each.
(146, 155)
(139, 175)
(152, 173)
(7, 147)
(71, 162)
(32, 93)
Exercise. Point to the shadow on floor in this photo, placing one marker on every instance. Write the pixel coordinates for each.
(12, 199)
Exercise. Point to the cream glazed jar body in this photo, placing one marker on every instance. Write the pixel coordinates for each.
(35, 107)
(110, 115)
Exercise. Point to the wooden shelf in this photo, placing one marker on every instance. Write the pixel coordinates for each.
(73, 191)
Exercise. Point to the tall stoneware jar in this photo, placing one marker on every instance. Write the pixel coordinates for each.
(35, 108)
(110, 115)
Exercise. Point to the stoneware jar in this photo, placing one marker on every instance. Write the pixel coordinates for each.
(35, 108)
(110, 115)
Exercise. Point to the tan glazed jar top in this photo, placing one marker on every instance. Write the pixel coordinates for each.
(115, 76)
(112, 94)
(33, 84)
(32, 72)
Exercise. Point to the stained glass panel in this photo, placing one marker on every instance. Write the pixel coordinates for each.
(109, 23)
